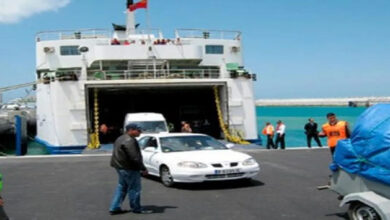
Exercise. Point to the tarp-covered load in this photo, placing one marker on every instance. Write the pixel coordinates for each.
(367, 152)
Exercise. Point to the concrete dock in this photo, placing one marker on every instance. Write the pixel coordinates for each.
(81, 187)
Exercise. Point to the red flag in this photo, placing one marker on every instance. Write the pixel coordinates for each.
(140, 4)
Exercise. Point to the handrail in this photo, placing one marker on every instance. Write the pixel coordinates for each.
(154, 74)
(73, 34)
(8, 88)
(107, 33)
(92, 33)
(207, 34)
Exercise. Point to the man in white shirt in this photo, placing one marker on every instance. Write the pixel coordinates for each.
(280, 133)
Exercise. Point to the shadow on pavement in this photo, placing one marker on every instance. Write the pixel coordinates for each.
(158, 209)
(217, 185)
(220, 185)
(342, 215)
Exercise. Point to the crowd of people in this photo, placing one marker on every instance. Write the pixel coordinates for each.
(116, 41)
(333, 130)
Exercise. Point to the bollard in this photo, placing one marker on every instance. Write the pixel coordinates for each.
(21, 135)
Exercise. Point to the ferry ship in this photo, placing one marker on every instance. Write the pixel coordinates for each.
(94, 76)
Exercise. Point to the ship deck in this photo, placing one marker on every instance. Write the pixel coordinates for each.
(81, 187)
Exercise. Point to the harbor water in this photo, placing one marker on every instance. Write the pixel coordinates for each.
(295, 118)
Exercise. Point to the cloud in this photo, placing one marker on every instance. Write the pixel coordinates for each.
(12, 11)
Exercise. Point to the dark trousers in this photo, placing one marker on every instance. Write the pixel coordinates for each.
(315, 136)
(270, 142)
(332, 149)
(3, 216)
(129, 183)
(280, 139)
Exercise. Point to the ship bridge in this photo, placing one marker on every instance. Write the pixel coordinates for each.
(147, 54)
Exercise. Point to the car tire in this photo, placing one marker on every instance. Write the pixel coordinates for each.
(166, 177)
(358, 210)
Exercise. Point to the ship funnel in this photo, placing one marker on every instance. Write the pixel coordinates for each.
(130, 23)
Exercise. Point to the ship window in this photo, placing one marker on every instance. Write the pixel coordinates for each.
(214, 49)
(69, 50)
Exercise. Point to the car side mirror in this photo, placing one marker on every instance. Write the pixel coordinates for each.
(150, 149)
(229, 145)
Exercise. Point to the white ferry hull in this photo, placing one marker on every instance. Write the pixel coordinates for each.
(72, 67)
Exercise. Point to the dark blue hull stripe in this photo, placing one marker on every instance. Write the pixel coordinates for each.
(60, 149)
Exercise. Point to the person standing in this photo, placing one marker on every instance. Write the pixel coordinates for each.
(127, 160)
(334, 130)
(280, 134)
(3, 215)
(269, 132)
(311, 131)
(185, 127)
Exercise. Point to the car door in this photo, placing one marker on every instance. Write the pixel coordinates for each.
(149, 150)
(156, 159)
(145, 155)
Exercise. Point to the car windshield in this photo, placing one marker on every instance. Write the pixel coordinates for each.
(153, 126)
(190, 143)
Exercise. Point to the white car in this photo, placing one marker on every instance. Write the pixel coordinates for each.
(184, 157)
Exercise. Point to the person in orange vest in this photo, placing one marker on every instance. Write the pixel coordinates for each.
(268, 131)
(335, 130)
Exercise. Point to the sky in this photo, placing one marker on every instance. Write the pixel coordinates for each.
(297, 48)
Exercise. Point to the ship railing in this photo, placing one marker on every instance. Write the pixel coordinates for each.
(60, 75)
(145, 34)
(73, 34)
(154, 74)
(208, 34)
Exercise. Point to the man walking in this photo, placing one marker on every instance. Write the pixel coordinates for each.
(280, 133)
(127, 160)
(335, 130)
(269, 132)
(311, 131)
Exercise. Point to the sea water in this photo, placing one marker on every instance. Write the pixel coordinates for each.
(295, 118)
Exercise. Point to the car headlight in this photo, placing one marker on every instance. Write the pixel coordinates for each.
(249, 162)
(191, 164)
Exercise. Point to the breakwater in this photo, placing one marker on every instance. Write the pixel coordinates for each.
(353, 102)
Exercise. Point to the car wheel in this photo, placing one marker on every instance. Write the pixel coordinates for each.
(358, 211)
(166, 177)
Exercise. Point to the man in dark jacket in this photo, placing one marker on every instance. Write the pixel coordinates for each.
(311, 131)
(127, 160)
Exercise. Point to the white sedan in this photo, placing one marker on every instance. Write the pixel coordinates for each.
(183, 157)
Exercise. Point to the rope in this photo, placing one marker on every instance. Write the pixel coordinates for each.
(223, 125)
(94, 137)
(364, 160)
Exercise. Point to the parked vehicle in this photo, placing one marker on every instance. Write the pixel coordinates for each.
(362, 166)
(368, 200)
(184, 157)
(149, 122)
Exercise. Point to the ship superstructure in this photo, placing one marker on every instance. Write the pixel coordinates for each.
(89, 77)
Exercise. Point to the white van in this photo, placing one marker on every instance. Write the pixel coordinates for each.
(149, 122)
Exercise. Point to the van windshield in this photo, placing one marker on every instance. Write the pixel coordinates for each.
(153, 126)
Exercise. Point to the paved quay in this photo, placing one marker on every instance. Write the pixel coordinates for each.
(81, 187)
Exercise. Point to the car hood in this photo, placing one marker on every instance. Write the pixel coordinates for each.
(208, 156)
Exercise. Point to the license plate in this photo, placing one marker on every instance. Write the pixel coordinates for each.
(228, 171)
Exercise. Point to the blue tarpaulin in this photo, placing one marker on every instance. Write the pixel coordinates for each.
(367, 152)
